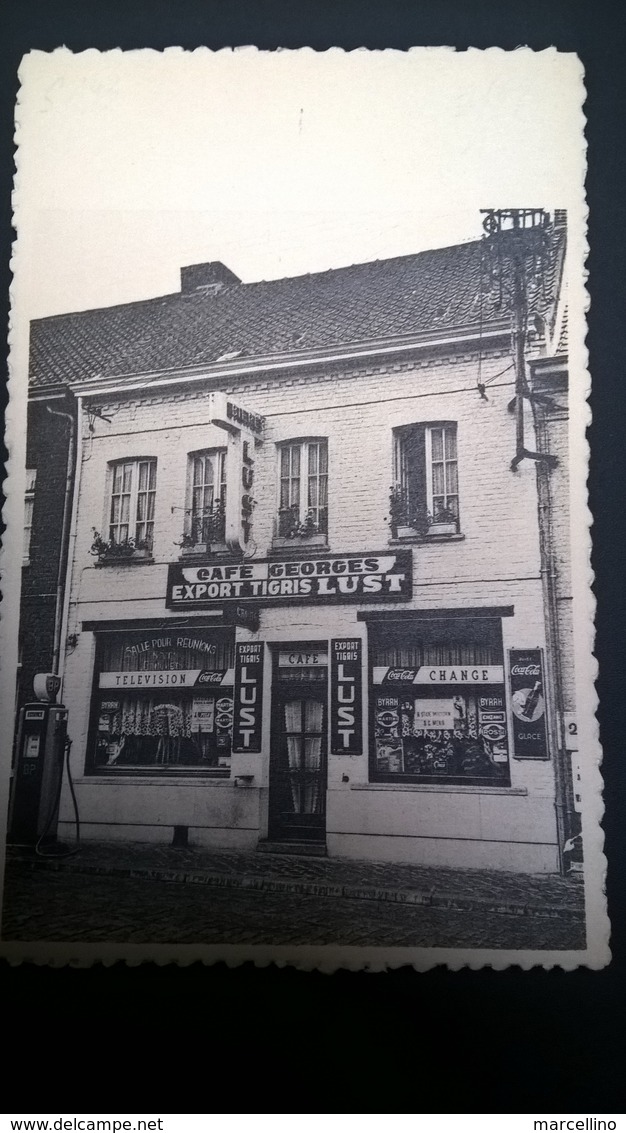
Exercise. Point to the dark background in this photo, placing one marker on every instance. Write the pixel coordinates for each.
(273, 1040)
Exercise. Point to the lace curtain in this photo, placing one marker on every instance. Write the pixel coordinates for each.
(304, 753)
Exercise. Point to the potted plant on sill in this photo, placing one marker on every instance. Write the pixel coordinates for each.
(443, 522)
(206, 532)
(406, 520)
(124, 551)
(307, 532)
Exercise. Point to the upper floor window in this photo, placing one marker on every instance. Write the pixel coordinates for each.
(303, 499)
(425, 495)
(29, 503)
(206, 506)
(131, 509)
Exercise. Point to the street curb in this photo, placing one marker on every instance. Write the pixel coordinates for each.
(217, 880)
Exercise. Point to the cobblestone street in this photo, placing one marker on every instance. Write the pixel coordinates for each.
(159, 895)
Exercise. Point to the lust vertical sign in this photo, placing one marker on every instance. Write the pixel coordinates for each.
(528, 700)
(248, 703)
(346, 724)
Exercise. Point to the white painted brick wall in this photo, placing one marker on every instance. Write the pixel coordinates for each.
(357, 412)
(496, 563)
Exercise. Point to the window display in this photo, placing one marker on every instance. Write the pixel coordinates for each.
(439, 711)
(163, 701)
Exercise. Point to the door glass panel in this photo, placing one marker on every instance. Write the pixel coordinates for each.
(303, 763)
(312, 715)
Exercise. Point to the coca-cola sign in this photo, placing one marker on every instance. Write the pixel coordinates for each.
(401, 675)
(525, 670)
(528, 701)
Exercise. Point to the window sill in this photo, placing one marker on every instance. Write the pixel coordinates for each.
(440, 788)
(138, 559)
(319, 542)
(203, 551)
(220, 778)
(431, 537)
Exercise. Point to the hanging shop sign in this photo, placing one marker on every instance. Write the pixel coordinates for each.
(528, 704)
(248, 697)
(346, 701)
(439, 675)
(245, 431)
(172, 678)
(228, 415)
(325, 579)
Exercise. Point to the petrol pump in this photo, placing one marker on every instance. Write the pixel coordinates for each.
(38, 773)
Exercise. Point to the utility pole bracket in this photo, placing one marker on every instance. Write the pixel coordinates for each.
(540, 457)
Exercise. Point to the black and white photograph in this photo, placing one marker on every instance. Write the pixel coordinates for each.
(297, 619)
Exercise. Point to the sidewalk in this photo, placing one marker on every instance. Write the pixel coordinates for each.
(532, 895)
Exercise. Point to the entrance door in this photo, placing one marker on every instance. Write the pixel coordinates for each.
(297, 805)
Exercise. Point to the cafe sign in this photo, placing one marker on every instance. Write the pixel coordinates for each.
(324, 579)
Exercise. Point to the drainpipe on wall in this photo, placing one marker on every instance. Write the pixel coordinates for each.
(71, 540)
(63, 557)
(548, 573)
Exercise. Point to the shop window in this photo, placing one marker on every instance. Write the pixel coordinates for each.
(206, 499)
(29, 504)
(132, 501)
(438, 703)
(303, 494)
(163, 703)
(425, 493)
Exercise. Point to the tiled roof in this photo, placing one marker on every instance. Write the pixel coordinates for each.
(432, 290)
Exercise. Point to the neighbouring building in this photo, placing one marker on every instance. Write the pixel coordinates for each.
(50, 456)
(307, 596)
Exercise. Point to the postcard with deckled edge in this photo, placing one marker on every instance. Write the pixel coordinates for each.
(297, 627)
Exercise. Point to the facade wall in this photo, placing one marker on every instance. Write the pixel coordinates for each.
(495, 561)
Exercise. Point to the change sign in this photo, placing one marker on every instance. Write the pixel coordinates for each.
(528, 703)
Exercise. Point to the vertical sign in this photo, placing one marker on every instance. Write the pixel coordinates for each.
(529, 704)
(248, 705)
(346, 724)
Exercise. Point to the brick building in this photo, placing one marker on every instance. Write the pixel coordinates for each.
(307, 602)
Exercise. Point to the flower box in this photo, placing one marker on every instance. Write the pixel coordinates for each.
(442, 529)
(110, 553)
(300, 541)
(115, 558)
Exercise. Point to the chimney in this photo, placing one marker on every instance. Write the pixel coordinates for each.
(206, 277)
(560, 219)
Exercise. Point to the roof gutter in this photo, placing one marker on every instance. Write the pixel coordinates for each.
(215, 372)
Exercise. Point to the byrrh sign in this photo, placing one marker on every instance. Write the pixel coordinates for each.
(329, 578)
